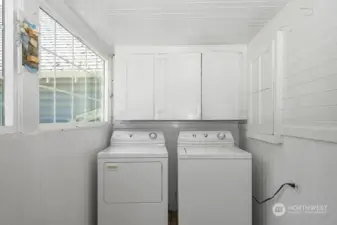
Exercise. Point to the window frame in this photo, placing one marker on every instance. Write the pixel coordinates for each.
(257, 131)
(9, 48)
(105, 83)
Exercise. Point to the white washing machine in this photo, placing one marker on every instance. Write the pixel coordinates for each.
(133, 180)
(214, 180)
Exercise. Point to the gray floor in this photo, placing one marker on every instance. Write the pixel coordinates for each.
(173, 218)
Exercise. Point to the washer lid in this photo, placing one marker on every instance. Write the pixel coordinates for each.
(205, 152)
(134, 151)
(137, 137)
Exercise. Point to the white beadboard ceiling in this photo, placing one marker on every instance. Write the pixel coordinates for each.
(176, 22)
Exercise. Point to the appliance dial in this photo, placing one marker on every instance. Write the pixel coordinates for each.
(221, 136)
(153, 136)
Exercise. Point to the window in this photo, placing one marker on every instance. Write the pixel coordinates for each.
(266, 70)
(7, 84)
(262, 102)
(71, 77)
(1, 74)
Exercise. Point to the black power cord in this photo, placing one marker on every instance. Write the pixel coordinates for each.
(292, 185)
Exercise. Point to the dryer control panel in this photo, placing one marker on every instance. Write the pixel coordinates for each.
(137, 137)
(206, 137)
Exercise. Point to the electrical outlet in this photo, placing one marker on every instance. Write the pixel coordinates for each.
(297, 186)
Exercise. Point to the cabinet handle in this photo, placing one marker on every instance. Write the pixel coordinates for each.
(113, 167)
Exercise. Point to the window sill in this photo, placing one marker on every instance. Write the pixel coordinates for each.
(7, 130)
(70, 126)
(312, 133)
(272, 139)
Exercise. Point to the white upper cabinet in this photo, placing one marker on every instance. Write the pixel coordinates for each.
(134, 87)
(179, 83)
(221, 85)
(178, 86)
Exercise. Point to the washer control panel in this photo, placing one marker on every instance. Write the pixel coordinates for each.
(129, 137)
(206, 137)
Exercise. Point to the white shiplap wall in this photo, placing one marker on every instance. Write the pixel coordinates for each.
(310, 82)
(309, 163)
(309, 104)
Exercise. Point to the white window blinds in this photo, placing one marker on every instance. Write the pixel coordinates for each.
(71, 76)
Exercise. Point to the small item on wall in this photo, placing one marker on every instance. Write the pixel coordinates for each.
(30, 46)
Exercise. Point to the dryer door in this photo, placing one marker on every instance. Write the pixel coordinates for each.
(133, 182)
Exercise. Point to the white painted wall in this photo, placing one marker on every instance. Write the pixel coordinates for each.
(310, 163)
(50, 178)
(47, 177)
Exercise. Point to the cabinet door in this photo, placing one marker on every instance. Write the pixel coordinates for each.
(133, 87)
(221, 89)
(178, 87)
